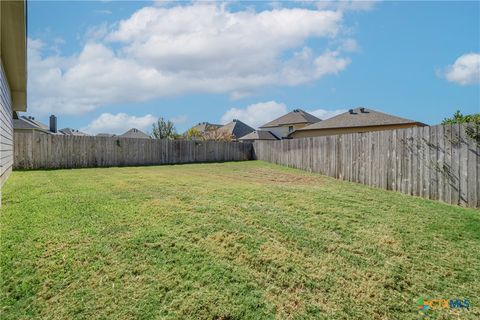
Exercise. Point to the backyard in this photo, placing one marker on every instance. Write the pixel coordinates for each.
(238, 240)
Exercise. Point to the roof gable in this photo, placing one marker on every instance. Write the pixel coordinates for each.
(294, 117)
(135, 133)
(237, 128)
(259, 135)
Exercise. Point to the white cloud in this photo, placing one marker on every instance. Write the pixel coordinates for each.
(119, 123)
(465, 70)
(257, 114)
(347, 5)
(349, 45)
(179, 119)
(325, 114)
(193, 48)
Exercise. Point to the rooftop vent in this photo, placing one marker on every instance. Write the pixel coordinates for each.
(350, 111)
(362, 110)
(296, 110)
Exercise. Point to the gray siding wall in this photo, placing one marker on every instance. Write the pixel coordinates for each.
(6, 129)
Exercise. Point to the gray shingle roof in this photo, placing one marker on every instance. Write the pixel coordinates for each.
(72, 132)
(259, 135)
(24, 122)
(237, 128)
(135, 133)
(359, 117)
(294, 117)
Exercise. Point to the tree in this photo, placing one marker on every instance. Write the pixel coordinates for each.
(164, 129)
(473, 120)
(193, 134)
(458, 117)
(217, 135)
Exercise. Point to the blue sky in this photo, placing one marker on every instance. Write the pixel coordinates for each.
(108, 66)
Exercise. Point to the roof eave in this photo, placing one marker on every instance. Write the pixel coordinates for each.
(13, 50)
(369, 126)
(286, 124)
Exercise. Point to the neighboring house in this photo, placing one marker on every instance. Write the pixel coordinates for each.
(72, 132)
(355, 120)
(286, 124)
(203, 127)
(258, 135)
(236, 129)
(135, 134)
(30, 124)
(13, 77)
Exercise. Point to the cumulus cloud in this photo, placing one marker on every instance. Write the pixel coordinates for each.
(256, 114)
(193, 48)
(119, 123)
(465, 70)
(325, 114)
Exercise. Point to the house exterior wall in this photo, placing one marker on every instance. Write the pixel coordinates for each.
(6, 128)
(282, 131)
(331, 132)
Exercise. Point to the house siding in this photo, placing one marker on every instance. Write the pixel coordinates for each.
(6, 128)
(282, 131)
(331, 132)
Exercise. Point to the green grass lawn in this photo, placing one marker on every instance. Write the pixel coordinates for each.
(245, 240)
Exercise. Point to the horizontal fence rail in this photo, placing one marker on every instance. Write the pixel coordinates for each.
(45, 151)
(439, 162)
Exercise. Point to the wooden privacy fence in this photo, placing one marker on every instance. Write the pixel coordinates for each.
(45, 151)
(438, 162)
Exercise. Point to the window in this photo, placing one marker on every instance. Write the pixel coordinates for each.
(290, 128)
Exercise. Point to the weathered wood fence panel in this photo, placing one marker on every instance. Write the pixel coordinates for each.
(43, 151)
(439, 162)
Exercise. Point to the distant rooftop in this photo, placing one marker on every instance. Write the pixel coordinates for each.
(206, 126)
(135, 133)
(237, 128)
(28, 122)
(297, 116)
(259, 135)
(72, 132)
(359, 117)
